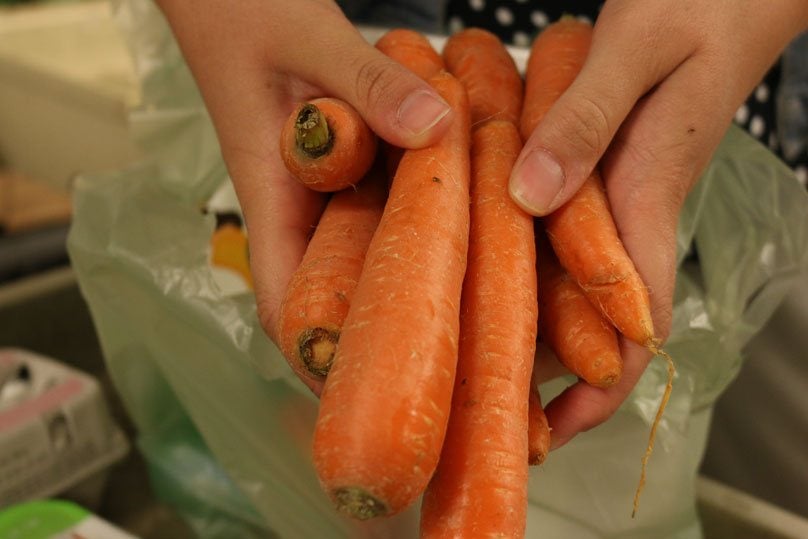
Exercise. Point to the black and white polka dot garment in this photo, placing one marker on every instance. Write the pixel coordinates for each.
(517, 22)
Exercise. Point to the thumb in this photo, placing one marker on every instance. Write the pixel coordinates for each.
(399, 106)
(575, 132)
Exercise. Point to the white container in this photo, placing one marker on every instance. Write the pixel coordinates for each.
(56, 435)
(67, 85)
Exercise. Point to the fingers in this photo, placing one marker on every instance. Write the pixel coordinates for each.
(581, 406)
(631, 51)
(279, 211)
(657, 155)
(398, 105)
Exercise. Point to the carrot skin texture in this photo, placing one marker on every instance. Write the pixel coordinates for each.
(582, 232)
(582, 339)
(482, 63)
(556, 57)
(385, 404)
(340, 163)
(480, 486)
(319, 293)
(412, 50)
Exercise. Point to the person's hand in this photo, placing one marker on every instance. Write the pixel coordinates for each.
(253, 60)
(658, 90)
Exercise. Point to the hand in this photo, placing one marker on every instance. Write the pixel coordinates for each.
(658, 90)
(253, 60)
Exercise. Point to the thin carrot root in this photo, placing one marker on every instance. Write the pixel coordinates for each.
(653, 346)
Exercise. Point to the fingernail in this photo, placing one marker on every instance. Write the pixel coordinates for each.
(537, 182)
(421, 111)
(555, 443)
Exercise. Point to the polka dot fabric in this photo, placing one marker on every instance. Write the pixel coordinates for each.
(517, 22)
(514, 21)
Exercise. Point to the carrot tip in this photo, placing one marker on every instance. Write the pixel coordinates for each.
(535, 459)
(608, 380)
(312, 135)
(317, 347)
(358, 503)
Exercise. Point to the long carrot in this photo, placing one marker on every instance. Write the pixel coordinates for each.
(582, 339)
(385, 404)
(327, 145)
(582, 232)
(482, 63)
(556, 57)
(320, 291)
(414, 51)
(480, 486)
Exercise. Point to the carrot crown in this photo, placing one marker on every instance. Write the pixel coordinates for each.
(312, 135)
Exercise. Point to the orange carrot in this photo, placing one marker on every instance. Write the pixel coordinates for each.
(482, 63)
(412, 50)
(538, 430)
(582, 339)
(327, 145)
(385, 404)
(480, 486)
(320, 291)
(582, 232)
(556, 57)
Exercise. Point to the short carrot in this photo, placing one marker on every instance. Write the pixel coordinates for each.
(482, 63)
(581, 338)
(480, 486)
(538, 429)
(385, 403)
(319, 292)
(327, 145)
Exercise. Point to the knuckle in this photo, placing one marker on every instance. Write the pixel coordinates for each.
(587, 126)
(372, 80)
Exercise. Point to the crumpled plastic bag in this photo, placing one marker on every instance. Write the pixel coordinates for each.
(206, 387)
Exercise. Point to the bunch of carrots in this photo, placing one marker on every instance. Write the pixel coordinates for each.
(424, 274)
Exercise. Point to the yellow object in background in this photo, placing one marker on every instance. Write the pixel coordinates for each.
(229, 248)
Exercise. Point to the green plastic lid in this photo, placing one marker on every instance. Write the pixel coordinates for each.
(40, 519)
